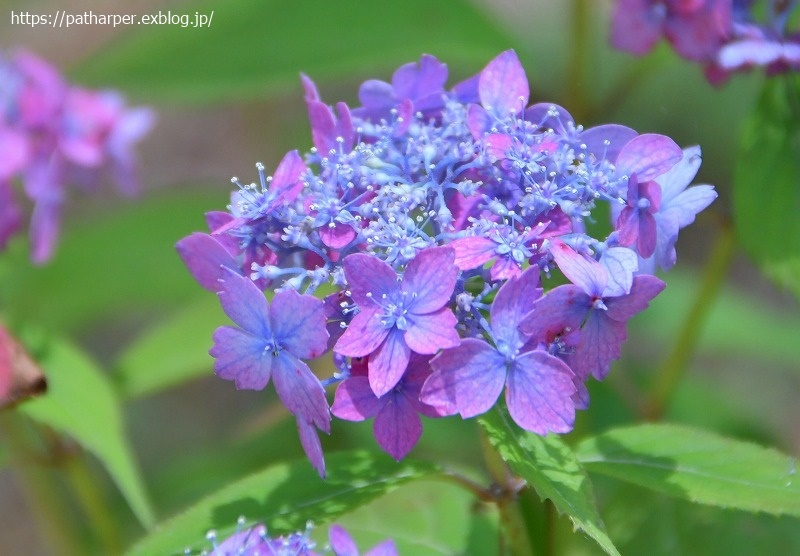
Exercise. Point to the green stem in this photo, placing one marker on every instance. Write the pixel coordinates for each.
(515, 539)
(92, 501)
(42, 490)
(578, 104)
(673, 369)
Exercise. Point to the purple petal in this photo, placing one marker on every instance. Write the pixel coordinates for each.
(323, 126)
(298, 324)
(14, 153)
(309, 87)
(478, 121)
(433, 331)
(505, 268)
(386, 548)
(539, 393)
(472, 252)
(239, 356)
(643, 290)
(620, 264)
(344, 127)
(646, 242)
(363, 335)
(684, 207)
(10, 214)
(205, 257)
(636, 26)
(366, 274)
(416, 82)
(337, 235)
(560, 310)
(309, 439)
(44, 227)
(628, 226)
(503, 86)
(388, 363)
(397, 427)
(300, 391)
(513, 302)
(585, 273)
(244, 303)
(471, 376)
(376, 95)
(678, 178)
(286, 182)
(355, 400)
(648, 155)
(430, 277)
(547, 115)
(341, 542)
(599, 345)
(617, 136)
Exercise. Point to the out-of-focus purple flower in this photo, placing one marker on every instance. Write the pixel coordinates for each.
(53, 135)
(726, 36)
(397, 425)
(256, 541)
(271, 341)
(468, 379)
(399, 316)
(695, 28)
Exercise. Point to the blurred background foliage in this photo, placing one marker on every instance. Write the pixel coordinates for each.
(117, 303)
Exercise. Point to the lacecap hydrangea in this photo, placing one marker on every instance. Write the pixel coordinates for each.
(440, 218)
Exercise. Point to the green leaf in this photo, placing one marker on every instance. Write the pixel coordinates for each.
(550, 467)
(696, 465)
(429, 517)
(111, 265)
(171, 352)
(81, 403)
(766, 193)
(284, 497)
(256, 47)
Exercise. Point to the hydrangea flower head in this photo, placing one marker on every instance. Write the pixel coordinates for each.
(53, 135)
(437, 216)
(256, 541)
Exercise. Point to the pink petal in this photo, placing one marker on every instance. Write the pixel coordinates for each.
(433, 331)
(472, 252)
(585, 273)
(503, 86)
(648, 155)
(286, 182)
(363, 335)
